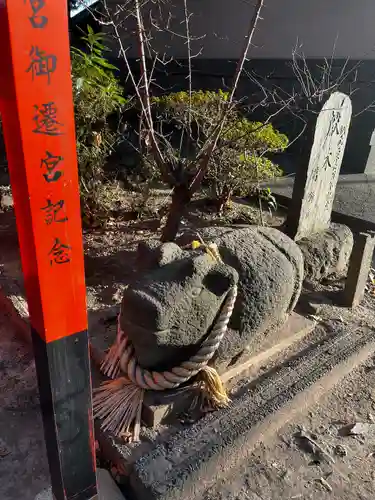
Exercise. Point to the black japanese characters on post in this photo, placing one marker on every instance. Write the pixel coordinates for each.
(42, 64)
(45, 119)
(59, 253)
(36, 19)
(52, 212)
(46, 123)
(50, 165)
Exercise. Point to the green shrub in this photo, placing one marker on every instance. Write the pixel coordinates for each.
(97, 95)
(240, 160)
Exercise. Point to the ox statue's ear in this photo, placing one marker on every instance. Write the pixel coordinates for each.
(146, 255)
(152, 254)
(169, 252)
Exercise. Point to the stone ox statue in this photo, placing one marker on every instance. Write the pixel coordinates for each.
(169, 308)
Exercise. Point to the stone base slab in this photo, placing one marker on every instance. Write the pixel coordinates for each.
(184, 460)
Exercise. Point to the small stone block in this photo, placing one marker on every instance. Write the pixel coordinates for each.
(108, 489)
(159, 405)
(359, 268)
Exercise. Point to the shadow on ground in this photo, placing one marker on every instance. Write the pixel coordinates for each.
(23, 461)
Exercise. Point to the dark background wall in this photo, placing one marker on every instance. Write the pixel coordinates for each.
(320, 28)
(338, 30)
(213, 74)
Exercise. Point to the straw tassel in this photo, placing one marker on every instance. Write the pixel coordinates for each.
(212, 388)
(118, 403)
(110, 365)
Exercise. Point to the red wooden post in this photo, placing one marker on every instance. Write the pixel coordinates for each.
(37, 113)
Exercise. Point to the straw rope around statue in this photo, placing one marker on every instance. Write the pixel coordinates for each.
(118, 402)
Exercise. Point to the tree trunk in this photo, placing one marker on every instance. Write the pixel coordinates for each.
(181, 198)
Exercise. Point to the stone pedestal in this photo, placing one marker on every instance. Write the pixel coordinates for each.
(327, 253)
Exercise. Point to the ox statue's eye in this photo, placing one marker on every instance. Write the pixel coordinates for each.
(195, 291)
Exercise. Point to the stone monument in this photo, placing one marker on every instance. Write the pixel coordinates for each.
(174, 300)
(370, 165)
(196, 311)
(314, 187)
